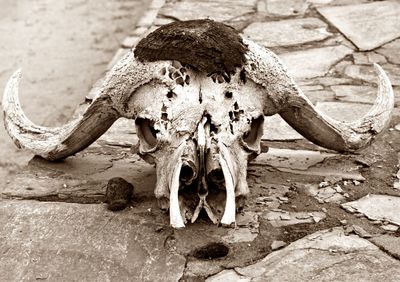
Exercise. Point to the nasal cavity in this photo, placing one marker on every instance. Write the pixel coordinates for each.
(187, 174)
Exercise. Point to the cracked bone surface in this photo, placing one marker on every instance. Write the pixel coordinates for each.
(175, 79)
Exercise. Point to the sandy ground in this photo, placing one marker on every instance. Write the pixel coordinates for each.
(63, 47)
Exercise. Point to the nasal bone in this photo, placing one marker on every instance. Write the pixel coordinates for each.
(203, 133)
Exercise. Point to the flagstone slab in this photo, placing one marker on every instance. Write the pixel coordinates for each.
(287, 32)
(368, 25)
(314, 62)
(391, 51)
(355, 93)
(377, 207)
(293, 159)
(75, 242)
(218, 10)
(368, 74)
(388, 243)
(287, 7)
(276, 128)
(343, 111)
(327, 255)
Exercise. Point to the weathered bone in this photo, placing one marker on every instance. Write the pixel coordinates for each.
(190, 163)
(230, 178)
(218, 79)
(284, 96)
(175, 215)
(213, 168)
(61, 142)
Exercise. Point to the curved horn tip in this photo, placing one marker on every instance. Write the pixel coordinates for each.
(12, 82)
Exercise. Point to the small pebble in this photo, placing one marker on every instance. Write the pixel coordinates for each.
(277, 245)
(390, 227)
(118, 194)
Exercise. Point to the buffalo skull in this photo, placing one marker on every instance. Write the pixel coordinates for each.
(198, 93)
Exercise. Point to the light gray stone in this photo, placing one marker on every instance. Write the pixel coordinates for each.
(286, 8)
(391, 51)
(284, 218)
(314, 62)
(227, 275)
(355, 93)
(238, 235)
(377, 207)
(277, 245)
(325, 256)
(293, 159)
(275, 128)
(325, 194)
(64, 241)
(367, 73)
(219, 10)
(343, 111)
(368, 58)
(369, 25)
(389, 244)
(287, 32)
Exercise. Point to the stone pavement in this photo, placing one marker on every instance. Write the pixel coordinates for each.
(313, 214)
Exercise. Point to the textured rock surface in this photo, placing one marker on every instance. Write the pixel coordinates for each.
(368, 26)
(314, 62)
(220, 10)
(324, 256)
(391, 51)
(377, 207)
(289, 185)
(60, 241)
(287, 32)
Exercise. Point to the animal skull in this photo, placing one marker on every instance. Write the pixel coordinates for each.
(198, 93)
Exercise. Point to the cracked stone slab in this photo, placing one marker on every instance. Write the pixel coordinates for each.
(326, 255)
(389, 244)
(369, 25)
(287, 32)
(391, 51)
(228, 275)
(328, 194)
(219, 10)
(81, 178)
(238, 235)
(314, 62)
(292, 159)
(365, 58)
(343, 111)
(355, 93)
(368, 74)
(286, 8)
(377, 207)
(279, 218)
(64, 241)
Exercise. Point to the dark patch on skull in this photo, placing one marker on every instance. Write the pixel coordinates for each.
(204, 45)
(228, 94)
(242, 76)
(171, 94)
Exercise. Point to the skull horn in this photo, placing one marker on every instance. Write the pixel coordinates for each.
(284, 97)
(61, 142)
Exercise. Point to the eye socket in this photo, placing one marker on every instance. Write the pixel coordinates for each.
(147, 134)
(251, 139)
